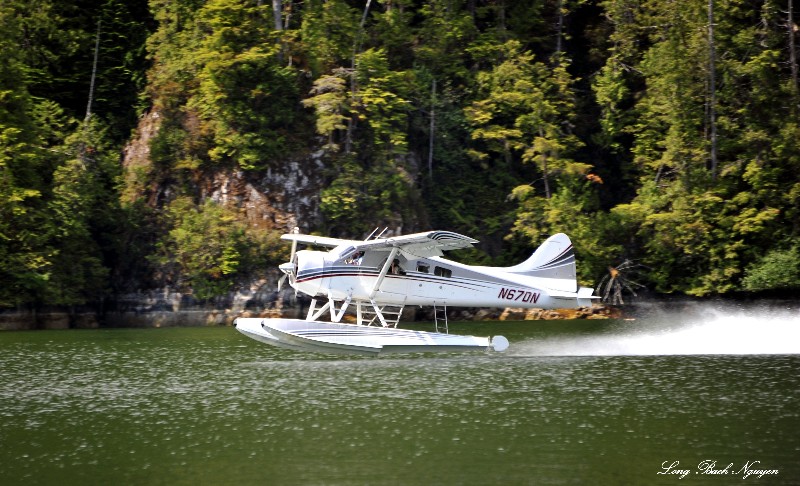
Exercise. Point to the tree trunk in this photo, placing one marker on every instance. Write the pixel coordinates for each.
(501, 20)
(712, 87)
(353, 88)
(288, 15)
(433, 126)
(546, 178)
(364, 17)
(793, 55)
(560, 29)
(277, 12)
(94, 74)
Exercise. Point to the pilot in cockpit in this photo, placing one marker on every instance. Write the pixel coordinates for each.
(396, 269)
(356, 259)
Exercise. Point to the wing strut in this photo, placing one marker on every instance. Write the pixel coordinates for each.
(336, 316)
(384, 271)
(387, 315)
(314, 313)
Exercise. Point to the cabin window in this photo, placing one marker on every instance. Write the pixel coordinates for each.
(423, 268)
(443, 272)
(396, 269)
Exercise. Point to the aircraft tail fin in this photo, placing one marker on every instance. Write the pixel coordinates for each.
(553, 261)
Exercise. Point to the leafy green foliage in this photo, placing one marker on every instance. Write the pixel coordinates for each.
(23, 261)
(380, 101)
(86, 208)
(207, 247)
(508, 121)
(527, 108)
(219, 79)
(330, 104)
(779, 269)
(204, 245)
(328, 32)
(357, 197)
(243, 96)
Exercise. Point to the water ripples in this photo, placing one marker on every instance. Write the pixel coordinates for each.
(180, 406)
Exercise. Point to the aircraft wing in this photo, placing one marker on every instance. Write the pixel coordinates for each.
(418, 245)
(319, 240)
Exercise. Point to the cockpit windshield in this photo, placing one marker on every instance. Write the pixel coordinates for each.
(343, 252)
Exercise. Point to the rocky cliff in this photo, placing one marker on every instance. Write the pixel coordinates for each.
(279, 198)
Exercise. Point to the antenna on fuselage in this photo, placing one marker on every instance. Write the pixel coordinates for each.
(371, 234)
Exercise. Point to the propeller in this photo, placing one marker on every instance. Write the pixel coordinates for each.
(289, 267)
(286, 271)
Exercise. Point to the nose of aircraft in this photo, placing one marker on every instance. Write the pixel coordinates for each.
(289, 270)
(308, 271)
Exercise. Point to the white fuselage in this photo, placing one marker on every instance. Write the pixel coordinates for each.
(425, 281)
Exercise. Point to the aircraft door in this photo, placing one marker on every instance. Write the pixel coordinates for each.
(394, 288)
(430, 283)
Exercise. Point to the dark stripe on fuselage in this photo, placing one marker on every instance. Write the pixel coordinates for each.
(338, 271)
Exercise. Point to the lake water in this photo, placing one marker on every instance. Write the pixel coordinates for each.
(571, 402)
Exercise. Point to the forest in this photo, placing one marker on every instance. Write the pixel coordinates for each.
(662, 136)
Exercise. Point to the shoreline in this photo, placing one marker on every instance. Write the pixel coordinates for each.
(63, 319)
(170, 309)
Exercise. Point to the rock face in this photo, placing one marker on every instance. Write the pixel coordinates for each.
(595, 312)
(280, 197)
(164, 308)
(167, 308)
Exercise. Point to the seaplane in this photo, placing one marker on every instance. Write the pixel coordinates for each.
(378, 277)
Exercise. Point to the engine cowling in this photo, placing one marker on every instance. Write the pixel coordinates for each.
(309, 272)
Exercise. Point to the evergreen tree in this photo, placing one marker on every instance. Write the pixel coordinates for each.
(663, 133)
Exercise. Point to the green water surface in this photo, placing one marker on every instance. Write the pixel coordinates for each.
(210, 406)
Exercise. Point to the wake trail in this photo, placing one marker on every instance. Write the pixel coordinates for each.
(712, 332)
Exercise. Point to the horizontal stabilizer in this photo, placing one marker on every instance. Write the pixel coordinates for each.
(585, 296)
